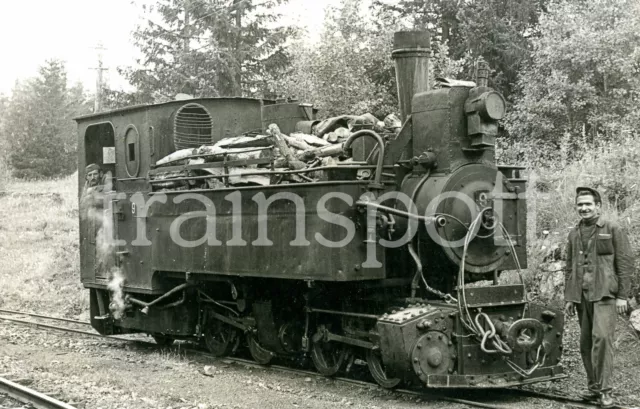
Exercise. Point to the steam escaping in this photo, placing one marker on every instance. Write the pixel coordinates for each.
(96, 209)
(105, 242)
(116, 282)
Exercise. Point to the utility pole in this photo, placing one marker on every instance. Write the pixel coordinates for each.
(97, 106)
(239, 6)
(185, 34)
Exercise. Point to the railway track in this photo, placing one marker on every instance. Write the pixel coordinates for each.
(481, 398)
(31, 397)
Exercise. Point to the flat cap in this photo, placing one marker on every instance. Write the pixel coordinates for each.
(592, 191)
(92, 167)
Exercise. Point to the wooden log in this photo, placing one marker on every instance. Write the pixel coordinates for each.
(237, 175)
(310, 139)
(244, 142)
(296, 142)
(279, 141)
(329, 150)
(175, 156)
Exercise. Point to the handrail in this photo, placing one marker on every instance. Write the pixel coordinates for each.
(267, 173)
(377, 184)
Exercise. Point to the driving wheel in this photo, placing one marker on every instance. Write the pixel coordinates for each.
(376, 367)
(328, 357)
(258, 353)
(221, 339)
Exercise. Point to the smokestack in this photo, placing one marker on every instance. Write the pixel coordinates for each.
(482, 73)
(411, 51)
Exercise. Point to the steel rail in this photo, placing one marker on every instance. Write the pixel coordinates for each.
(430, 395)
(356, 382)
(29, 396)
(39, 325)
(563, 399)
(256, 365)
(44, 316)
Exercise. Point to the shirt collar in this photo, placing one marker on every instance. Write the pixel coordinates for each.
(599, 222)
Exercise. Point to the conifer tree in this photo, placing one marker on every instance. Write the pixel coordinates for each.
(38, 127)
(500, 31)
(207, 48)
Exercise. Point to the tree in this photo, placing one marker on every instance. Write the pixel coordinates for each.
(208, 48)
(38, 125)
(115, 99)
(4, 146)
(349, 71)
(583, 83)
(500, 31)
(440, 17)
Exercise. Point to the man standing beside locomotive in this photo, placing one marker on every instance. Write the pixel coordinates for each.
(599, 268)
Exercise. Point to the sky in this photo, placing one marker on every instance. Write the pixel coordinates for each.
(34, 31)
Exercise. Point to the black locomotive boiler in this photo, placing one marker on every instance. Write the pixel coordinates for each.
(390, 252)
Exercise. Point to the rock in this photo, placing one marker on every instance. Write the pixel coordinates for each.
(552, 281)
(634, 320)
(209, 370)
(307, 379)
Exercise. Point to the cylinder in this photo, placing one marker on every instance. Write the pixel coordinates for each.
(411, 51)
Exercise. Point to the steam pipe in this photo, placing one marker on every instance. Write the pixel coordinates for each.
(377, 184)
(175, 303)
(439, 220)
(146, 305)
(415, 282)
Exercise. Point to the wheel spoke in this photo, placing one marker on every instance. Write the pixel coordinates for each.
(258, 353)
(378, 371)
(219, 338)
(328, 357)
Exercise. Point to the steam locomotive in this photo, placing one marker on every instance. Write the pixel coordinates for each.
(391, 254)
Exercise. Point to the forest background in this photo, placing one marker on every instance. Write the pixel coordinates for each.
(569, 70)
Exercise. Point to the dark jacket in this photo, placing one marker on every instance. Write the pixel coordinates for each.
(609, 259)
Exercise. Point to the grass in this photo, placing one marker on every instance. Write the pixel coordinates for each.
(39, 258)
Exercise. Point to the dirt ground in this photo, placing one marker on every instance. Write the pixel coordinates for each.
(107, 374)
(626, 376)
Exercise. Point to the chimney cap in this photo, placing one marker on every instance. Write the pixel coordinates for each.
(411, 39)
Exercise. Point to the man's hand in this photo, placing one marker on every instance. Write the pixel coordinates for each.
(622, 306)
(569, 308)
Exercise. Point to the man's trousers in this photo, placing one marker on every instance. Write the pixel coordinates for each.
(597, 325)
